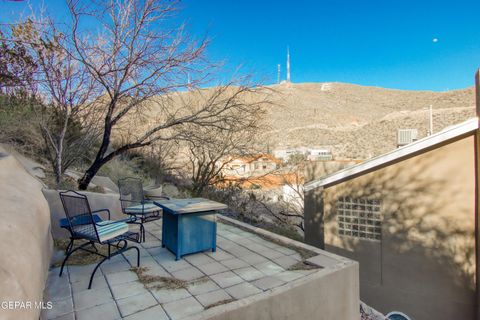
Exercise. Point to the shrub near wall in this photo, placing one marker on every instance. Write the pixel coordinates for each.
(25, 240)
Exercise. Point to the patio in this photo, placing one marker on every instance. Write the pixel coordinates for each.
(245, 264)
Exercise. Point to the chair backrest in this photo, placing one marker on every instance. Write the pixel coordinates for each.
(131, 192)
(79, 215)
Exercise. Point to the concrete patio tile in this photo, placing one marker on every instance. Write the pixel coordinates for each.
(128, 289)
(58, 288)
(212, 268)
(249, 273)
(285, 261)
(182, 308)
(156, 270)
(152, 313)
(172, 265)
(267, 283)
(79, 273)
(157, 251)
(235, 263)
(90, 298)
(60, 308)
(242, 290)
(245, 241)
(118, 266)
(258, 248)
(98, 283)
(188, 274)
(198, 259)
(296, 256)
(169, 295)
(285, 250)
(131, 255)
(269, 268)
(164, 257)
(239, 251)
(288, 276)
(232, 236)
(136, 303)
(254, 258)
(68, 316)
(197, 288)
(148, 244)
(121, 277)
(212, 297)
(226, 279)
(220, 255)
(108, 311)
(271, 254)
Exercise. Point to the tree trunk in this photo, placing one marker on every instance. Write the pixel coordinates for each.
(84, 181)
(58, 172)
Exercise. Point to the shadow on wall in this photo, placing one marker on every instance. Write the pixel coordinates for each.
(427, 244)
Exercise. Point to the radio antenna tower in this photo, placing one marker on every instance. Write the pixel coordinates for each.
(288, 64)
(278, 73)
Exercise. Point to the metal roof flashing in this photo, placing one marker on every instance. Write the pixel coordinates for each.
(420, 146)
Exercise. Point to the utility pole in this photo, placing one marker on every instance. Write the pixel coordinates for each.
(430, 120)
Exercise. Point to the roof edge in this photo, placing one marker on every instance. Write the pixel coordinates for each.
(424, 144)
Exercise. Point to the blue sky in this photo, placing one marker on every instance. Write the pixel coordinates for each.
(381, 43)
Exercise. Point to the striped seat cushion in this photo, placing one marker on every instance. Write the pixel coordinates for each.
(106, 230)
(142, 208)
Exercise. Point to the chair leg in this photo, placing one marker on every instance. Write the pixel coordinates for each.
(69, 246)
(70, 253)
(95, 270)
(142, 232)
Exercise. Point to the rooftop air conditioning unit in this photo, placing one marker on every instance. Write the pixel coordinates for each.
(406, 136)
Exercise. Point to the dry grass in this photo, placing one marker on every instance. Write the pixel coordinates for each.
(160, 282)
(303, 265)
(219, 303)
(80, 257)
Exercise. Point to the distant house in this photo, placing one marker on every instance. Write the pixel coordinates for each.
(409, 218)
(311, 154)
(249, 165)
(315, 154)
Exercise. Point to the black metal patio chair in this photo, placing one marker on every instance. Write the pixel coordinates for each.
(85, 224)
(135, 204)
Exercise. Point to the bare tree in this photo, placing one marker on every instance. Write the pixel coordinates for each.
(63, 86)
(136, 58)
(288, 208)
(211, 148)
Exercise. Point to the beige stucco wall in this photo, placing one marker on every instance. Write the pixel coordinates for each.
(96, 200)
(25, 239)
(425, 264)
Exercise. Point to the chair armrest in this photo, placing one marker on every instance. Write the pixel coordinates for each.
(102, 210)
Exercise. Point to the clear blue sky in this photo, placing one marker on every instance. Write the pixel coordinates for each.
(385, 43)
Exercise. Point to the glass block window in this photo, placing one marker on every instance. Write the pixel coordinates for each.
(359, 218)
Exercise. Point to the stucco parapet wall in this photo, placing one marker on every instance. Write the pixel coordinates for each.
(332, 292)
(25, 239)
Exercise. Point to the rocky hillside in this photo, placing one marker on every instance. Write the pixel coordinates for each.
(357, 121)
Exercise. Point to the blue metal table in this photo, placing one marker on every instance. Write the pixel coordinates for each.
(189, 225)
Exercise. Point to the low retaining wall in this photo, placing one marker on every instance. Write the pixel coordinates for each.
(97, 201)
(330, 293)
(25, 240)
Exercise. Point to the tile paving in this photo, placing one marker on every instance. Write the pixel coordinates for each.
(243, 265)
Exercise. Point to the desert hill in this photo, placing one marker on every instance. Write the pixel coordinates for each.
(357, 121)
